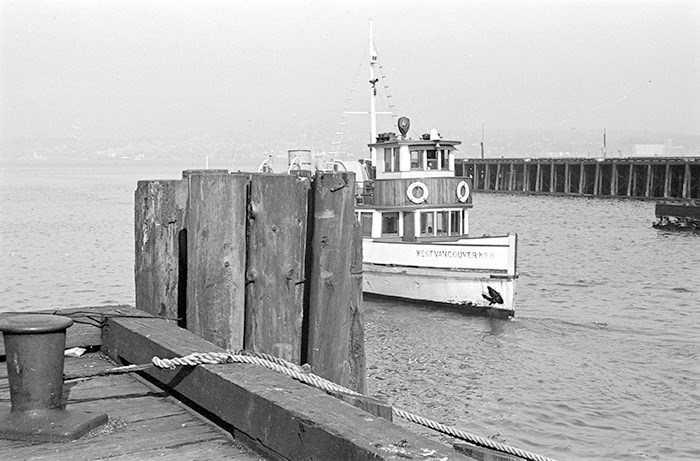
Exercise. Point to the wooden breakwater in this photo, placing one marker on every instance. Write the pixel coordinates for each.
(639, 178)
(263, 262)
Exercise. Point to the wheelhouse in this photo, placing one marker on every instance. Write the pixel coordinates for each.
(413, 193)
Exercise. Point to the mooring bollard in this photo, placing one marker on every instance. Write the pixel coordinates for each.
(34, 345)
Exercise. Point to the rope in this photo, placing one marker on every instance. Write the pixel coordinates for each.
(110, 371)
(300, 374)
(251, 358)
(471, 438)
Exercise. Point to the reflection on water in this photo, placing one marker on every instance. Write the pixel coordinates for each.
(496, 327)
(600, 362)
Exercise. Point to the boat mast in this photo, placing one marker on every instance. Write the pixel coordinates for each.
(373, 93)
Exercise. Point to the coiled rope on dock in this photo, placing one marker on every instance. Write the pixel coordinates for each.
(301, 374)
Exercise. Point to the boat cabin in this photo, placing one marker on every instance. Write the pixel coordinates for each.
(411, 192)
(428, 157)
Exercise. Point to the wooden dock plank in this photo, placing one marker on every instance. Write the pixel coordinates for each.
(144, 422)
(285, 417)
(197, 452)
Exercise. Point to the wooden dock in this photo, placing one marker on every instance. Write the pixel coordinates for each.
(270, 413)
(638, 178)
(144, 422)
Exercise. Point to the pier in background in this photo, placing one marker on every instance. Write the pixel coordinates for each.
(666, 178)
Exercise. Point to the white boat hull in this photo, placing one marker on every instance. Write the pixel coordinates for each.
(447, 275)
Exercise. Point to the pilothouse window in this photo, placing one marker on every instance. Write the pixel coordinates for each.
(445, 159)
(432, 156)
(391, 159)
(431, 159)
(416, 160)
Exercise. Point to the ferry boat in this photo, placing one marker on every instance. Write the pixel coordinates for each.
(414, 213)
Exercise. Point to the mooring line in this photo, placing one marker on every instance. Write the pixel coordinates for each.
(300, 374)
(109, 371)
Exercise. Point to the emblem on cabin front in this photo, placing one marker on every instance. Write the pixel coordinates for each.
(462, 191)
(417, 196)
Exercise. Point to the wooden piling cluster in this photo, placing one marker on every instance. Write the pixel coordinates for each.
(263, 262)
(642, 178)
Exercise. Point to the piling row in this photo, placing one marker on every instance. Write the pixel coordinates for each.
(261, 262)
(642, 178)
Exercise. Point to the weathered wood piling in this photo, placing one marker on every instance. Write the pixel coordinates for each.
(263, 262)
(276, 265)
(159, 226)
(640, 178)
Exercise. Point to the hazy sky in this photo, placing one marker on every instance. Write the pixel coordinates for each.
(163, 68)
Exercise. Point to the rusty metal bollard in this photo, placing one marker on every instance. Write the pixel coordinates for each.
(34, 345)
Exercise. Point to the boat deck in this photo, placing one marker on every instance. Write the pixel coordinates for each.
(144, 422)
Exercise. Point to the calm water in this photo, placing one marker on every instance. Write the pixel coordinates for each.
(601, 362)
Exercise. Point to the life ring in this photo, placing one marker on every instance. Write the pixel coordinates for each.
(411, 195)
(463, 191)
